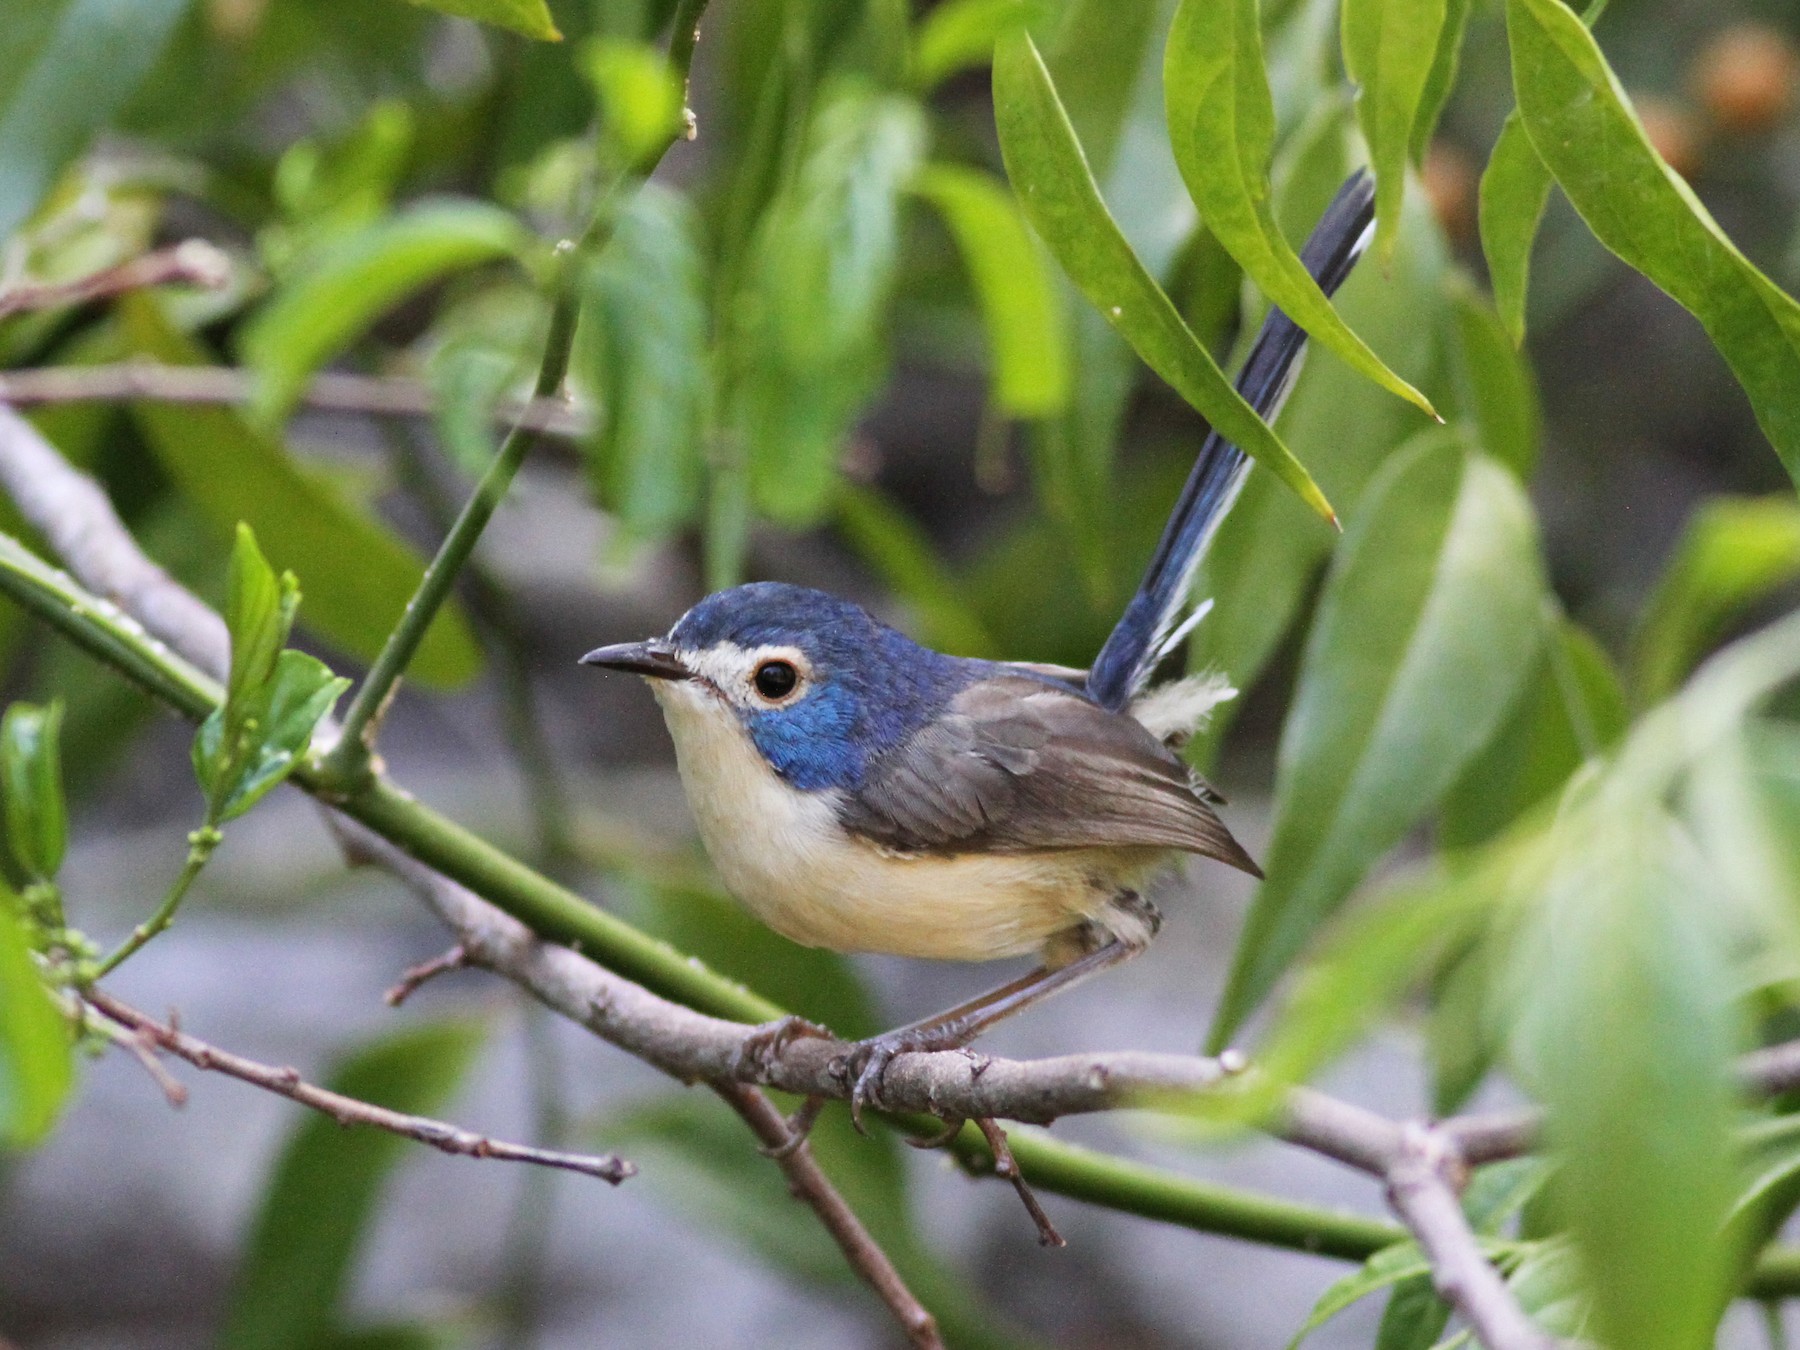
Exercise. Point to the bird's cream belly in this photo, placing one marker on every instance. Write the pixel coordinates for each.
(782, 853)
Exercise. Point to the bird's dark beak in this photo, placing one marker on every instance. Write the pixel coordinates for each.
(654, 659)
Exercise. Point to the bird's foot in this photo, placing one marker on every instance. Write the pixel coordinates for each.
(756, 1054)
(865, 1063)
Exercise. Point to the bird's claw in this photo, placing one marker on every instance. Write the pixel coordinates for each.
(864, 1065)
(756, 1054)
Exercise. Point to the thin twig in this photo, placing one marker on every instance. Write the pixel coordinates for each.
(350, 760)
(1420, 1190)
(1007, 1167)
(414, 976)
(227, 386)
(194, 262)
(286, 1082)
(811, 1186)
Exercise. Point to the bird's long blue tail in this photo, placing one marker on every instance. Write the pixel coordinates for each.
(1145, 631)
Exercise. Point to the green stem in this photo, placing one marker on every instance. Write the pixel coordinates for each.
(560, 915)
(350, 761)
(201, 844)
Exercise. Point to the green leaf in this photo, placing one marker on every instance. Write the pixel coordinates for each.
(530, 17)
(37, 826)
(908, 564)
(1495, 385)
(301, 1251)
(1570, 710)
(247, 747)
(1262, 565)
(341, 290)
(959, 35)
(1017, 295)
(259, 614)
(1733, 552)
(1390, 52)
(1415, 1317)
(808, 330)
(67, 70)
(1622, 1013)
(640, 96)
(1062, 201)
(35, 1046)
(646, 351)
(1581, 123)
(1427, 628)
(1515, 187)
(1387, 1268)
(1366, 965)
(1442, 78)
(1222, 126)
(358, 575)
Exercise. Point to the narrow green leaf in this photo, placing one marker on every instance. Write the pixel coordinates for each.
(1581, 123)
(1622, 1013)
(1016, 292)
(302, 1248)
(1515, 187)
(1264, 561)
(37, 825)
(1442, 79)
(1385, 1269)
(1390, 52)
(1733, 552)
(358, 574)
(1062, 201)
(362, 275)
(808, 322)
(1571, 708)
(1428, 626)
(530, 17)
(909, 565)
(55, 93)
(646, 350)
(35, 1046)
(959, 35)
(1368, 963)
(259, 614)
(1495, 385)
(1415, 1317)
(1222, 127)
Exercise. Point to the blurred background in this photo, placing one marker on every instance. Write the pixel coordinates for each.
(990, 500)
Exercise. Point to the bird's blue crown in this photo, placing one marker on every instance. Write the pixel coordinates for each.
(871, 687)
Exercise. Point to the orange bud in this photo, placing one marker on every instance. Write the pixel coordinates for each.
(1746, 77)
(1451, 181)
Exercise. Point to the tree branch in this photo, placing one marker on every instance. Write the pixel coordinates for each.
(194, 262)
(226, 386)
(813, 1188)
(1422, 1185)
(285, 1082)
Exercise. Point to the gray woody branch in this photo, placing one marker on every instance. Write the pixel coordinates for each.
(151, 1035)
(1420, 1165)
(224, 386)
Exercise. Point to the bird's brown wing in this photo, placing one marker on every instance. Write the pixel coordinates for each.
(1017, 765)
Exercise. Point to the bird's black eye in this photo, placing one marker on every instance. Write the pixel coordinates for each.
(775, 680)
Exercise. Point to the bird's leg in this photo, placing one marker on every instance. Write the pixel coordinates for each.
(955, 1027)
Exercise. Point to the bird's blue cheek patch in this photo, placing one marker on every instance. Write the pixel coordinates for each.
(811, 745)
